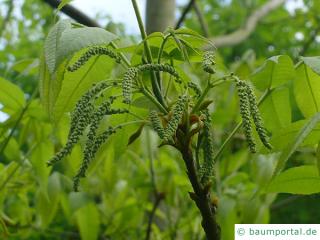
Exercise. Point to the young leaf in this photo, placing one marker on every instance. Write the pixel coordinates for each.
(73, 40)
(297, 180)
(51, 43)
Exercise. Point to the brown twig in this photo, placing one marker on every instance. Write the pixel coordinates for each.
(74, 13)
(184, 14)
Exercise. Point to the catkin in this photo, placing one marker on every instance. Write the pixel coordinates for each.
(90, 150)
(245, 114)
(127, 82)
(177, 114)
(93, 141)
(195, 88)
(156, 123)
(257, 117)
(94, 51)
(206, 170)
(208, 62)
(161, 68)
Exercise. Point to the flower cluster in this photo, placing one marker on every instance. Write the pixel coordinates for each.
(208, 62)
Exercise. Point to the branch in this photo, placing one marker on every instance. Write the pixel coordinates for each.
(6, 18)
(184, 14)
(74, 13)
(243, 33)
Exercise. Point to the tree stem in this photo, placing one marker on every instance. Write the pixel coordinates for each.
(201, 196)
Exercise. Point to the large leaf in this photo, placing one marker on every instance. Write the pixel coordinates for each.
(88, 222)
(11, 95)
(276, 110)
(276, 71)
(303, 133)
(297, 180)
(73, 40)
(307, 90)
(52, 43)
(283, 136)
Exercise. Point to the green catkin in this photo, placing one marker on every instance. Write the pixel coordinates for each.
(245, 113)
(156, 123)
(80, 119)
(177, 114)
(206, 170)
(257, 118)
(94, 51)
(127, 82)
(195, 88)
(208, 62)
(161, 68)
(89, 153)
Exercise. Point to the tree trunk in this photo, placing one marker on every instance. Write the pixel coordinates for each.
(160, 14)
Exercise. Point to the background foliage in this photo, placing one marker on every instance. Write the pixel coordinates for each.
(118, 194)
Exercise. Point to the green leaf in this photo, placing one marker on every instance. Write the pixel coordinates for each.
(303, 133)
(307, 90)
(276, 109)
(47, 204)
(11, 95)
(73, 40)
(88, 222)
(283, 136)
(297, 180)
(52, 44)
(275, 72)
(38, 159)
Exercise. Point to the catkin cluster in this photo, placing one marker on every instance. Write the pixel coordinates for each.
(208, 62)
(248, 109)
(80, 119)
(206, 170)
(94, 141)
(94, 51)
